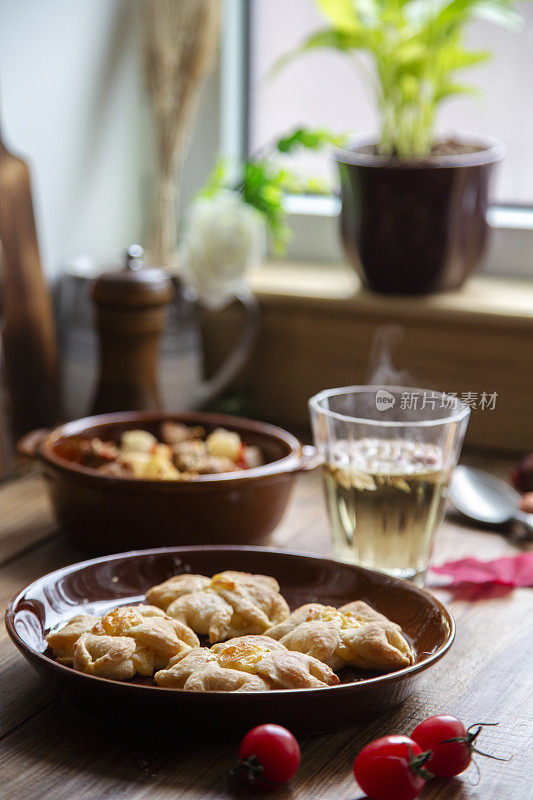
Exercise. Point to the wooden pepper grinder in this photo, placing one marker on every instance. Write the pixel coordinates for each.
(130, 312)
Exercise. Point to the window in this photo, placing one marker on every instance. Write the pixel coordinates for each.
(323, 89)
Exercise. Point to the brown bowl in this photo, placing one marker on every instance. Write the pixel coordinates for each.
(100, 584)
(107, 514)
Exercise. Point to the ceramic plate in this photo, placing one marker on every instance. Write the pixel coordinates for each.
(103, 583)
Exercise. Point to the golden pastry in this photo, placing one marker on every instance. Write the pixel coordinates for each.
(354, 634)
(62, 641)
(165, 593)
(247, 663)
(198, 670)
(227, 605)
(145, 610)
(105, 656)
(157, 637)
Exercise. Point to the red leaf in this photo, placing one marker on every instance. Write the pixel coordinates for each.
(508, 571)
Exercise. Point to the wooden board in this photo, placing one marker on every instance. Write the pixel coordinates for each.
(50, 750)
(28, 329)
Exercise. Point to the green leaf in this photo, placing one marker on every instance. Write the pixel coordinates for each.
(314, 186)
(368, 12)
(455, 58)
(341, 13)
(501, 14)
(450, 89)
(217, 179)
(410, 89)
(339, 39)
(412, 52)
(327, 39)
(309, 139)
(457, 13)
(416, 47)
(262, 188)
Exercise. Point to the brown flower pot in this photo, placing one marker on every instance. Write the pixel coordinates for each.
(416, 226)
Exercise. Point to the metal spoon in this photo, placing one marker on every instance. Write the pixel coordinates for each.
(486, 499)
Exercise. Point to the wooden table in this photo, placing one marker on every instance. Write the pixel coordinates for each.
(51, 751)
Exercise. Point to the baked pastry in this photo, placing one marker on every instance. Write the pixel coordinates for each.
(62, 641)
(132, 639)
(165, 593)
(268, 647)
(354, 634)
(199, 670)
(157, 637)
(105, 656)
(247, 663)
(227, 605)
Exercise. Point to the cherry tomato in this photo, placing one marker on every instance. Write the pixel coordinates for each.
(241, 461)
(391, 768)
(269, 756)
(449, 758)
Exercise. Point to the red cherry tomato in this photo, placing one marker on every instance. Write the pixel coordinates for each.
(269, 756)
(449, 758)
(391, 768)
(241, 461)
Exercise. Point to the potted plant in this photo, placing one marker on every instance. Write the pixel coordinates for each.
(413, 205)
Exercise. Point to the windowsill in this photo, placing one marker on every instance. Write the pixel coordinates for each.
(483, 298)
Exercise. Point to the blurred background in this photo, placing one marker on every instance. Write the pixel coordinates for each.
(73, 100)
(74, 104)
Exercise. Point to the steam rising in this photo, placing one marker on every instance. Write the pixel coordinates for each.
(381, 370)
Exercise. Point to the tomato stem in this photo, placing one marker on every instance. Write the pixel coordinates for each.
(471, 737)
(481, 725)
(488, 755)
(416, 764)
(249, 771)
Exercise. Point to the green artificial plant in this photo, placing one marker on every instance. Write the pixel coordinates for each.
(415, 48)
(263, 181)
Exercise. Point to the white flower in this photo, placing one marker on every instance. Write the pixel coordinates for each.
(225, 238)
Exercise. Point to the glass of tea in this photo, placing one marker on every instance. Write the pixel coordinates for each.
(388, 454)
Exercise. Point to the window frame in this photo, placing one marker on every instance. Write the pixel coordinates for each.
(314, 218)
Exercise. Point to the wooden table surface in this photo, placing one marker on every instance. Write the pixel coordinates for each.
(51, 751)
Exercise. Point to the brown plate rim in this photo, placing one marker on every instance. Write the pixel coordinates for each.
(288, 463)
(406, 672)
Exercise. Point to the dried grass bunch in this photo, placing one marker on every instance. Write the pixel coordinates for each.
(180, 39)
